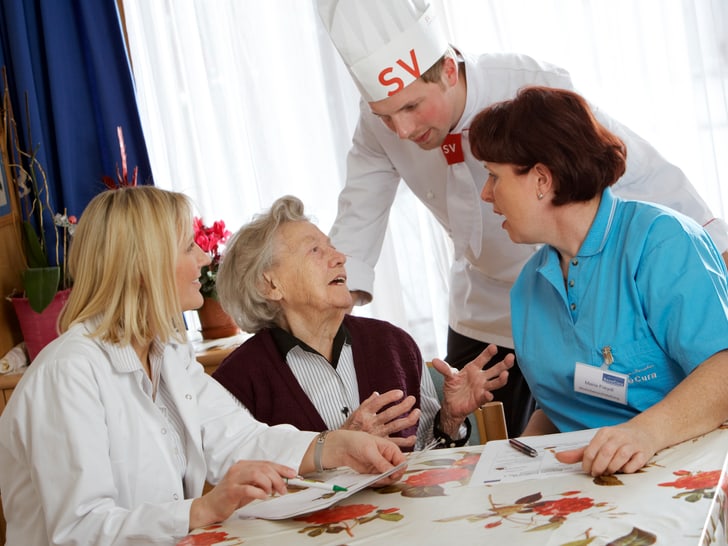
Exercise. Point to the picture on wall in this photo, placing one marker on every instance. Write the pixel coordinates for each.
(4, 189)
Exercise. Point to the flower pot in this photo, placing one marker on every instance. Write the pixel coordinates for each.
(39, 329)
(215, 322)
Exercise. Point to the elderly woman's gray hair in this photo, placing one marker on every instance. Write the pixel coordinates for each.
(248, 255)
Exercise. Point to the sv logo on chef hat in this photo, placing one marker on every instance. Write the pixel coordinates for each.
(385, 44)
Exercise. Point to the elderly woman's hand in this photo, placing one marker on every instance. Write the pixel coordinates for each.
(367, 416)
(469, 388)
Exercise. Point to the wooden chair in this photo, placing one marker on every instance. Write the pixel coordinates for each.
(491, 421)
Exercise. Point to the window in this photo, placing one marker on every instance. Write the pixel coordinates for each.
(243, 102)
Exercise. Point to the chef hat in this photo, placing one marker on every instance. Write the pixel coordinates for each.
(385, 44)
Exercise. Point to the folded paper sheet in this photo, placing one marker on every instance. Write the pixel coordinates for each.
(303, 501)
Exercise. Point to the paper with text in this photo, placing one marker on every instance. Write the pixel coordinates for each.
(499, 462)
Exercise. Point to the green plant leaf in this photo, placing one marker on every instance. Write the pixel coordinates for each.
(41, 284)
(35, 254)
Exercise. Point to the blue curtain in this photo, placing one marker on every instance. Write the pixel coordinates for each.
(69, 58)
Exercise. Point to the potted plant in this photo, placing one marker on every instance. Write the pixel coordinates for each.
(45, 249)
(211, 239)
(45, 237)
(45, 233)
(214, 321)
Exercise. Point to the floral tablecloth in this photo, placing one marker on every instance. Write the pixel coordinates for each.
(679, 498)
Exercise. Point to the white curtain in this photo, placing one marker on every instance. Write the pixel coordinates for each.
(244, 101)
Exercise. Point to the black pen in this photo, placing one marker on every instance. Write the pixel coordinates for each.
(523, 448)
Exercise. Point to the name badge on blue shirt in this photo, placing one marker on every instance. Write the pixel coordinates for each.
(600, 382)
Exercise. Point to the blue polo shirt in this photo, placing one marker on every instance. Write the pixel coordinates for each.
(648, 283)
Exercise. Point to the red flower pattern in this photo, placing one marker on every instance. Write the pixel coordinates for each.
(526, 511)
(338, 514)
(563, 507)
(696, 485)
(203, 539)
(437, 476)
(698, 480)
(345, 518)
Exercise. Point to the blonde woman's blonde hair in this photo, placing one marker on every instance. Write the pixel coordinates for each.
(123, 260)
(248, 255)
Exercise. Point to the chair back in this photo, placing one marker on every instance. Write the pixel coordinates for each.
(491, 421)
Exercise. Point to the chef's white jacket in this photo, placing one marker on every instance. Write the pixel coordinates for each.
(84, 456)
(479, 287)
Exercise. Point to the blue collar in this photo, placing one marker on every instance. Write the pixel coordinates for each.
(598, 233)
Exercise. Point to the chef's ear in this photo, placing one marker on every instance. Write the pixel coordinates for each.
(450, 72)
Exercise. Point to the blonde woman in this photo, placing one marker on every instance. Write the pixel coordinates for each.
(114, 429)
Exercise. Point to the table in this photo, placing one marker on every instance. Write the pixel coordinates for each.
(211, 352)
(678, 498)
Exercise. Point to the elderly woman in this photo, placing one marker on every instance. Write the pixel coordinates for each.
(312, 365)
(111, 433)
(621, 319)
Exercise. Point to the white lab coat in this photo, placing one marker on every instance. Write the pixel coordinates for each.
(82, 447)
(479, 289)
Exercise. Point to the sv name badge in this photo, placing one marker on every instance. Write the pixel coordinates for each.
(600, 382)
(452, 147)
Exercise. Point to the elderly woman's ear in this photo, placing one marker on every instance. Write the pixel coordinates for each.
(269, 289)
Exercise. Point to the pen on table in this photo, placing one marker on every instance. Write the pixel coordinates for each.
(523, 448)
(301, 482)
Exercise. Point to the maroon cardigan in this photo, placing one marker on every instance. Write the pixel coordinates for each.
(385, 358)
